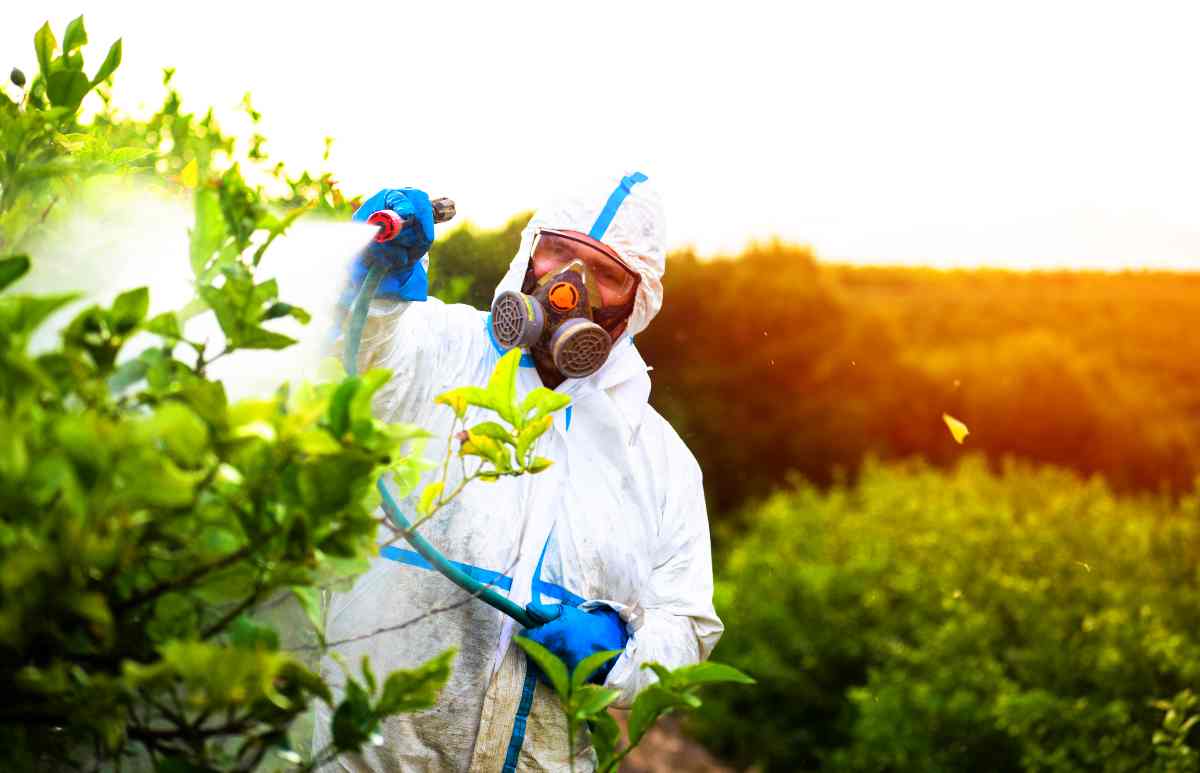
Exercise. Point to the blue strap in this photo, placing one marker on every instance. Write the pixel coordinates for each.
(562, 594)
(526, 360)
(518, 734)
(548, 588)
(614, 203)
(413, 558)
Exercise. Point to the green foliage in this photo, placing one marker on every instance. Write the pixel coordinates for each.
(588, 703)
(922, 621)
(466, 265)
(1175, 752)
(499, 450)
(39, 133)
(146, 524)
(143, 526)
(356, 720)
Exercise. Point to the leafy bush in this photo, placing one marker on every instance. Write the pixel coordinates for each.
(927, 621)
(145, 520)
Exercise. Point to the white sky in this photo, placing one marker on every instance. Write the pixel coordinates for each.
(1014, 133)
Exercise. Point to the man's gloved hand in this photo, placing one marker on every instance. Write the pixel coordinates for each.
(573, 634)
(403, 253)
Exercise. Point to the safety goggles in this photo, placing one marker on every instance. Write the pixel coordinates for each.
(553, 249)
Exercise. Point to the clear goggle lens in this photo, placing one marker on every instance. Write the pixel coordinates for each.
(552, 250)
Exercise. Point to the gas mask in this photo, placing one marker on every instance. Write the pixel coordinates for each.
(558, 314)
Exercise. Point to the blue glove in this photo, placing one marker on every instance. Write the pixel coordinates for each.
(406, 279)
(573, 634)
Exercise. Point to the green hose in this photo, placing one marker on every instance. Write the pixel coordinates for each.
(358, 321)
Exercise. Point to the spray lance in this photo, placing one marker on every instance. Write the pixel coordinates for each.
(390, 226)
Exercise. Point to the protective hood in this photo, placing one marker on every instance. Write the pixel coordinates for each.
(625, 214)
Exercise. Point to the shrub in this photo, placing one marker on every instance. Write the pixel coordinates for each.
(921, 621)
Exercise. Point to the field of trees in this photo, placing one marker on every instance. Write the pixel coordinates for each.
(770, 363)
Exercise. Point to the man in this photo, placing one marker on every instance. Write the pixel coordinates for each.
(611, 541)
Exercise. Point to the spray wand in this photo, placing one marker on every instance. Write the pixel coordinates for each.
(390, 225)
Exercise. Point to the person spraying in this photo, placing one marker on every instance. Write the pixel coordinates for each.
(608, 549)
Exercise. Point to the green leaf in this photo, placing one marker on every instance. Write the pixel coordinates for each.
(125, 156)
(14, 454)
(458, 399)
(415, 689)
(44, 43)
(650, 704)
(554, 669)
(250, 634)
(492, 430)
(588, 666)
(360, 404)
(502, 388)
(75, 36)
(165, 325)
(12, 269)
(588, 700)
(67, 88)
(85, 440)
(529, 435)
(23, 314)
(338, 415)
(207, 398)
(706, 673)
(429, 497)
(127, 374)
(310, 601)
(487, 448)
(353, 721)
(182, 434)
(368, 674)
(261, 338)
(110, 64)
(662, 672)
(543, 402)
(317, 442)
(539, 464)
(209, 231)
(129, 309)
(281, 309)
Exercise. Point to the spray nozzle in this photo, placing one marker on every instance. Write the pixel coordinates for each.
(391, 224)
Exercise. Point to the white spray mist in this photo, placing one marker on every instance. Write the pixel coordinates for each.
(119, 236)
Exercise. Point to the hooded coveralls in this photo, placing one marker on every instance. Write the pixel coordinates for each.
(618, 517)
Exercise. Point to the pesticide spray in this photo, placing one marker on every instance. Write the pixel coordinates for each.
(120, 235)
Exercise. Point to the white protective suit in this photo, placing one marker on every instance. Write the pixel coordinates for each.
(619, 516)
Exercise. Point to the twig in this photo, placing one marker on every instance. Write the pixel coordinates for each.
(231, 615)
(181, 582)
(436, 610)
(46, 211)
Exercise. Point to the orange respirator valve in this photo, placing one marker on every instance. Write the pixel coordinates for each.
(563, 296)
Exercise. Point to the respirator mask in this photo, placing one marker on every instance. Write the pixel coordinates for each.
(585, 292)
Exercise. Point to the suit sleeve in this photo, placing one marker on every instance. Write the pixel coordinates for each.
(677, 624)
(411, 339)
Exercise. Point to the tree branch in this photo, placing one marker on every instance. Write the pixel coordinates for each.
(232, 615)
(150, 594)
